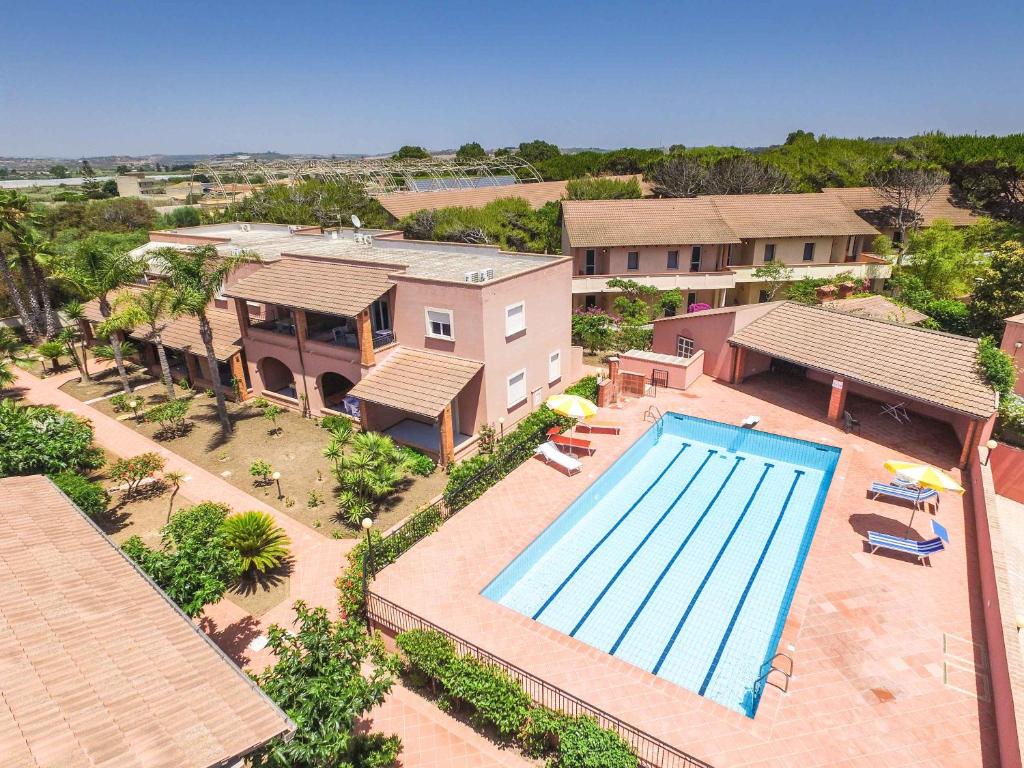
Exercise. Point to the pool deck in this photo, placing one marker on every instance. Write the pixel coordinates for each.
(889, 668)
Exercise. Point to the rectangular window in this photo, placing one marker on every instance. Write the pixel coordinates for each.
(808, 251)
(590, 262)
(633, 260)
(673, 260)
(691, 299)
(515, 318)
(554, 366)
(439, 323)
(763, 297)
(684, 347)
(516, 388)
(695, 259)
(590, 301)
(769, 252)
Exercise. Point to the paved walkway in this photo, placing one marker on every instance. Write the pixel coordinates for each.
(430, 738)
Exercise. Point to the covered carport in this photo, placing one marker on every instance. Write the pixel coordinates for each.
(930, 373)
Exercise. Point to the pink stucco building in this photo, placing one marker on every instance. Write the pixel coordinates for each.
(424, 341)
(1013, 345)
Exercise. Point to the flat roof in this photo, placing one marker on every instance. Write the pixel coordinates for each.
(448, 262)
(417, 381)
(335, 289)
(928, 366)
(99, 666)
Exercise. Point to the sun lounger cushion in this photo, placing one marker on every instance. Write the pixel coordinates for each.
(916, 495)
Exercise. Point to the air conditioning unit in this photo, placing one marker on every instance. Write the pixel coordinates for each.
(293, 228)
(486, 274)
(244, 227)
(474, 277)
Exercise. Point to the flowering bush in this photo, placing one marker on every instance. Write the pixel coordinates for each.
(699, 306)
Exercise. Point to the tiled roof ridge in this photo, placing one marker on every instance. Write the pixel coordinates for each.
(877, 320)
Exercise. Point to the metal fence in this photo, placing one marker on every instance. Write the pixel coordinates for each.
(650, 751)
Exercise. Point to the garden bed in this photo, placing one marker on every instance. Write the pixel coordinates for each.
(106, 383)
(294, 450)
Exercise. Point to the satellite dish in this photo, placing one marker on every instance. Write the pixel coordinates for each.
(356, 222)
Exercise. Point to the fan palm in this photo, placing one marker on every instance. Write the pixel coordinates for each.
(197, 275)
(16, 215)
(12, 350)
(51, 350)
(261, 544)
(37, 251)
(150, 308)
(73, 311)
(97, 269)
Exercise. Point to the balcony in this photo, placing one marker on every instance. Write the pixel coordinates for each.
(860, 270)
(665, 281)
(383, 338)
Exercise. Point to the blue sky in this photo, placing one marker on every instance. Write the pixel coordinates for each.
(147, 76)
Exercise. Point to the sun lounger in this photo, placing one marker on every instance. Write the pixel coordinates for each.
(922, 550)
(599, 427)
(551, 455)
(917, 496)
(574, 444)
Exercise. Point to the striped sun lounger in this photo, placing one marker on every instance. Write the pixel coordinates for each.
(917, 496)
(922, 550)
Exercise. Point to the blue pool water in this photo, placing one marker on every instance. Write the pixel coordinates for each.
(682, 558)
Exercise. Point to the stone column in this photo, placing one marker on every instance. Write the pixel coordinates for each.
(447, 454)
(239, 375)
(242, 313)
(739, 359)
(837, 402)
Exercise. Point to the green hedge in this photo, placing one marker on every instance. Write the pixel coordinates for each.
(92, 498)
(585, 387)
(419, 463)
(496, 699)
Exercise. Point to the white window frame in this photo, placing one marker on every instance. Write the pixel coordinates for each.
(554, 365)
(510, 401)
(510, 331)
(220, 291)
(429, 328)
(688, 347)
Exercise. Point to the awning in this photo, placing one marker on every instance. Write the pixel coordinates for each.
(317, 286)
(417, 381)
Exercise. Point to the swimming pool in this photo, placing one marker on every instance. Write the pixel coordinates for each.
(682, 558)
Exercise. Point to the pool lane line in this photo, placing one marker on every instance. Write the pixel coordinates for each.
(714, 564)
(609, 532)
(798, 473)
(650, 533)
(665, 570)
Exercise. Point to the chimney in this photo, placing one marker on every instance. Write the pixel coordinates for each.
(613, 370)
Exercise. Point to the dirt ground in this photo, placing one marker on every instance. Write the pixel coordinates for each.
(106, 383)
(294, 451)
(144, 515)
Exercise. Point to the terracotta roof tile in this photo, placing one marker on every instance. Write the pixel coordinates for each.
(664, 221)
(869, 205)
(911, 362)
(877, 308)
(417, 381)
(809, 214)
(319, 286)
(99, 667)
(401, 204)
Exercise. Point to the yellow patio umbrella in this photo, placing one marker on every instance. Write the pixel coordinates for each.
(573, 406)
(924, 475)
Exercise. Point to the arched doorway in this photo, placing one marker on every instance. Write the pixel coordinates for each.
(277, 377)
(333, 388)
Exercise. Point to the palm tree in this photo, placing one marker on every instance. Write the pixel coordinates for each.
(98, 270)
(37, 251)
(12, 350)
(196, 276)
(74, 312)
(175, 478)
(15, 216)
(150, 308)
(262, 545)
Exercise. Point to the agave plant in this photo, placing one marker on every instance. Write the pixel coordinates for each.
(262, 545)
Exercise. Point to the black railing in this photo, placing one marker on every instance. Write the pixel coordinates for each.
(650, 751)
(383, 338)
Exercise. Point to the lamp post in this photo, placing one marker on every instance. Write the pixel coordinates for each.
(501, 426)
(991, 445)
(277, 479)
(367, 524)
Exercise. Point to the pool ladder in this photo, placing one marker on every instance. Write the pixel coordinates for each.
(653, 413)
(764, 679)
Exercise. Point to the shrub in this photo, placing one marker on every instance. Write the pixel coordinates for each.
(488, 439)
(315, 499)
(950, 315)
(40, 440)
(1010, 427)
(633, 337)
(592, 328)
(133, 471)
(496, 699)
(270, 413)
(170, 416)
(260, 543)
(335, 423)
(368, 475)
(92, 498)
(418, 463)
(585, 387)
(261, 472)
(575, 742)
(996, 366)
(119, 402)
(196, 565)
(52, 351)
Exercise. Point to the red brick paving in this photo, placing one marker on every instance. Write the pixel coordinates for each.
(866, 632)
